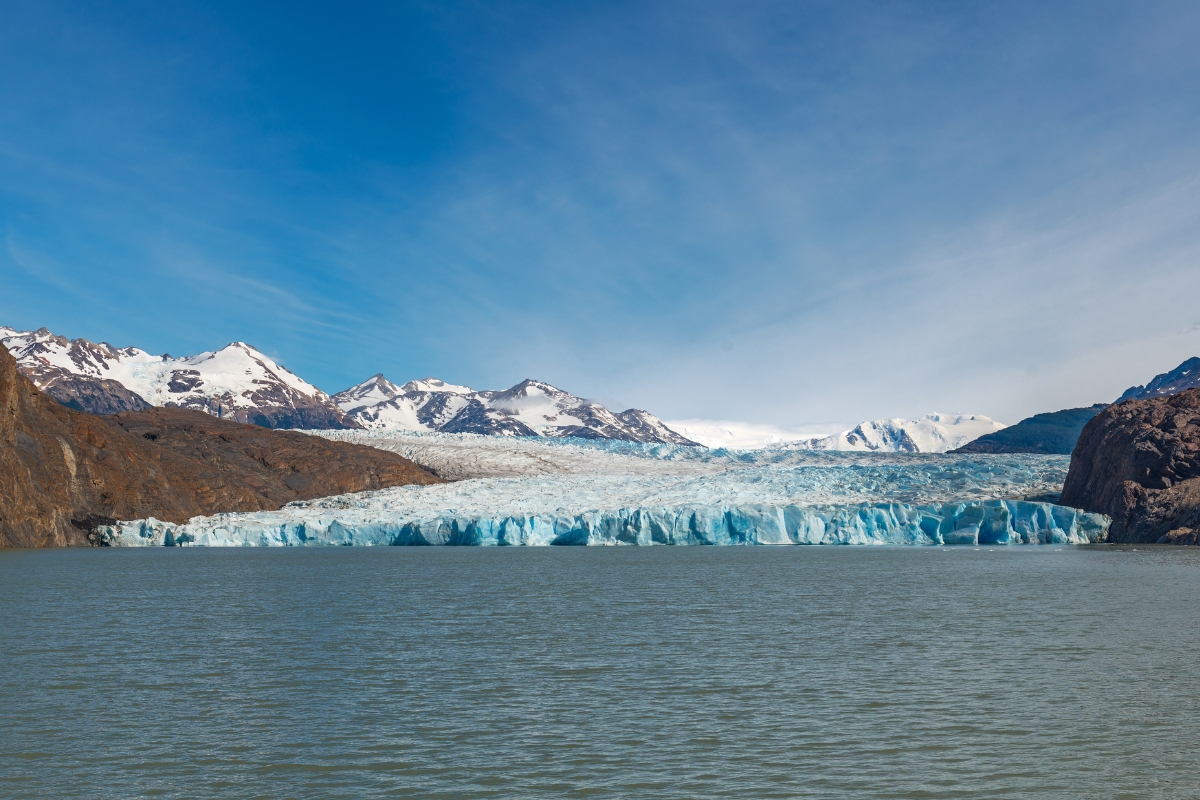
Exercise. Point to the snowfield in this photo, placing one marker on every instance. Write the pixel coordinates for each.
(538, 491)
(738, 435)
(933, 433)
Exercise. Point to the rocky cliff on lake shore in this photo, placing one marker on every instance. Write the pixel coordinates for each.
(1139, 463)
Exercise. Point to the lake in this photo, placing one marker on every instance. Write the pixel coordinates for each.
(666, 672)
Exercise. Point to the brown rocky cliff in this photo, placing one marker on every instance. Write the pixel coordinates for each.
(1139, 462)
(62, 471)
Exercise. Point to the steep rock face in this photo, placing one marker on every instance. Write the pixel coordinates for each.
(1054, 433)
(64, 471)
(1139, 463)
(94, 395)
(236, 382)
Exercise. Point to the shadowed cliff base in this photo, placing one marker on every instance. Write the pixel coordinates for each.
(62, 471)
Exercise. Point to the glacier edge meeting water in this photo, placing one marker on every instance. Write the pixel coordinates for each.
(998, 522)
(656, 496)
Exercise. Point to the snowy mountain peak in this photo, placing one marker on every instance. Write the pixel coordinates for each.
(530, 397)
(374, 390)
(434, 385)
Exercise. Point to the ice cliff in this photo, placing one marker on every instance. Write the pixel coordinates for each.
(989, 522)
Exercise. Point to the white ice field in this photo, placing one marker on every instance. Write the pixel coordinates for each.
(529, 491)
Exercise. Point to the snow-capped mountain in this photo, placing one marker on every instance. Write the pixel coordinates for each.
(531, 408)
(933, 433)
(240, 383)
(236, 382)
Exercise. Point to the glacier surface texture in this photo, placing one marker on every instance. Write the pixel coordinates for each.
(530, 492)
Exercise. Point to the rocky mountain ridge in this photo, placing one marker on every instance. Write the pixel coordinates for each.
(1185, 376)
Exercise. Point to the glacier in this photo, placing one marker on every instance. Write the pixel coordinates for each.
(532, 492)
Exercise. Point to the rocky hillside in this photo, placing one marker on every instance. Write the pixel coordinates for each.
(1054, 433)
(63, 471)
(236, 382)
(1139, 463)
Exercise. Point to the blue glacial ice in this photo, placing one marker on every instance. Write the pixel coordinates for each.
(634, 496)
(987, 522)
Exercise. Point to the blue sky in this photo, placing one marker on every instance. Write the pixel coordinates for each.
(775, 212)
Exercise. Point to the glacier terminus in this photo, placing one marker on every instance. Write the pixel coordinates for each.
(583, 492)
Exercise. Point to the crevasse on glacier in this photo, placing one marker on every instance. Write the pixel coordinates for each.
(986, 522)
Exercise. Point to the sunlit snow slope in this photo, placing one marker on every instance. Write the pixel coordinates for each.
(736, 435)
(933, 433)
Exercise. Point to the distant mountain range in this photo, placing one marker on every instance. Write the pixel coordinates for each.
(531, 408)
(242, 384)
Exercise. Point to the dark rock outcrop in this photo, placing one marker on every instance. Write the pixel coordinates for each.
(1139, 463)
(475, 417)
(1054, 433)
(63, 472)
(274, 409)
(94, 395)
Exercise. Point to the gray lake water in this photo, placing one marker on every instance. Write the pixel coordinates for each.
(601, 672)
